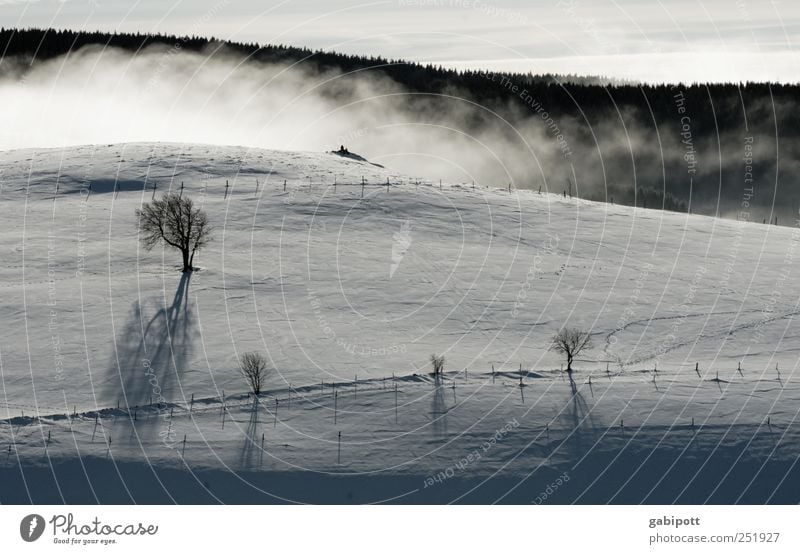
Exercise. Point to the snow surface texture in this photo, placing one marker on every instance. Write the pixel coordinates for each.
(120, 380)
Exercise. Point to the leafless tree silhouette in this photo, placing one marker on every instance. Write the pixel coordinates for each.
(175, 221)
(438, 364)
(254, 369)
(571, 341)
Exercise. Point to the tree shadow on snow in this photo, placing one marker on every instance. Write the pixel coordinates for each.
(153, 351)
(251, 453)
(578, 415)
(439, 409)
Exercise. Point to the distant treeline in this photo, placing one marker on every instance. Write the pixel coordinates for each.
(679, 147)
(560, 94)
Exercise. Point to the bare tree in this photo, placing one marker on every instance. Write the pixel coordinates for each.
(175, 221)
(438, 364)
(254, 369)
(570, 341)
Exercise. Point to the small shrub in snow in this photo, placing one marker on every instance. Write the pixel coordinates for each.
(438, 364)
(254, 369)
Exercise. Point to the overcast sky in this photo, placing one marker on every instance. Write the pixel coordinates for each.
(649, 40)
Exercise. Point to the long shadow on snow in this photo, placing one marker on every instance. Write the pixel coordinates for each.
(439, 410)
(105, 186)
(579, 416)
(251, 453)
(152, 355)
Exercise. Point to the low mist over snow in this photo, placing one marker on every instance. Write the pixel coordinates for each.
(710, 147)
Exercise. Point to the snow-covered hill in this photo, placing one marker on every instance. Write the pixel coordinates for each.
(348, 288)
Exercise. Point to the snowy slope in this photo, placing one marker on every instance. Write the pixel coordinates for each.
(335, 287)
